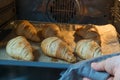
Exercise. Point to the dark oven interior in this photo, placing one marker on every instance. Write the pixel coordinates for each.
(61, 11)
(65, 11)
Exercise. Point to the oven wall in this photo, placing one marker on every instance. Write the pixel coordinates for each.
(85, 11)
(7, 11)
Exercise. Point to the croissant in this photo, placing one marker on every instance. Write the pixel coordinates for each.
(108, 38)
(68, 37)
(26, 29)
(50, 30)
(55, 47)
(87, 49)
(19, 48)
(87, 31)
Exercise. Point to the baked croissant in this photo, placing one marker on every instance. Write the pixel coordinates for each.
(50, 30)
(19, 48)
(68, 37)
(105, 35)
(57, 48)
(87, 31)
(87, 49)
(108, 38)
(26, 29)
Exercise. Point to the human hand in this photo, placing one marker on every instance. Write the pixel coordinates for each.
(110, 65)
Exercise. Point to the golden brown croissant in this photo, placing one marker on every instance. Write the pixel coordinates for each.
(55, 47)
(87, 49)
(87, 31)
(20, 48)
(26, 29)
(104, 35)
(50, 30)
(108, 38)
(68, 37)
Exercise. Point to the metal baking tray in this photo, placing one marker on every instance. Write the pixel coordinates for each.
(41, 61)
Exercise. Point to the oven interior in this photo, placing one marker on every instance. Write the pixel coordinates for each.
(56, 11)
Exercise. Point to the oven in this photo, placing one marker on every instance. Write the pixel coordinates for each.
(65, 13)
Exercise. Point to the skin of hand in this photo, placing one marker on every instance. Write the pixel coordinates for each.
(110, 65)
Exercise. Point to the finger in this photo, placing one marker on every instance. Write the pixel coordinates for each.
(86, 79)
(100, 66)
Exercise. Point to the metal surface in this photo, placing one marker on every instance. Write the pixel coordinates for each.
(116, 15)
(5, 3)
(43, 61)
(7, 11)
(7, 14)
(34, 64)
(65, 11)
(59, 9)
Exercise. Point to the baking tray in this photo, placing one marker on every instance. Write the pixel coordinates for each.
(41, 61)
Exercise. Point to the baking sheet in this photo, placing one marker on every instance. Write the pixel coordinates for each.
(38, 53)
(41, 59)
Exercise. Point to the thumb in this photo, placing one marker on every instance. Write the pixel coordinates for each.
(100, 66)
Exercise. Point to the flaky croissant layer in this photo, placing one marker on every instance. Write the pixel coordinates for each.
(55, 47)
(87, 49)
